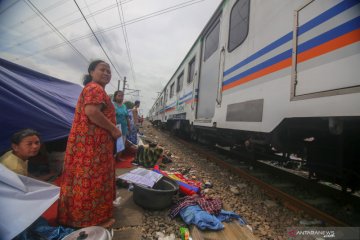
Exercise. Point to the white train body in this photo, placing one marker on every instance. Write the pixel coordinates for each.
(273, 72)
(271, 75)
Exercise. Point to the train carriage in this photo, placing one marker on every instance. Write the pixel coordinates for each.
(276, 76)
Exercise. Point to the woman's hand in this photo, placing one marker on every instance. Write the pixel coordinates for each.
(94, 113)
(116, 133)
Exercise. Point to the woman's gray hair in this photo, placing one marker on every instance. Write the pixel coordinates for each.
(20, 135)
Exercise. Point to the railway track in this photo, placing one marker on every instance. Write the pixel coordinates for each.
(328, 205)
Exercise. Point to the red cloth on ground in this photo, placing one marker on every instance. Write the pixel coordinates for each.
(51, 213)
(127, 158)
(186, 186)
(211, 205)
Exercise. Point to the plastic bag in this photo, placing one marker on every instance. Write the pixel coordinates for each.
(120, 146)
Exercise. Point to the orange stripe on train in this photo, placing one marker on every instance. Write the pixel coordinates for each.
(329, 46)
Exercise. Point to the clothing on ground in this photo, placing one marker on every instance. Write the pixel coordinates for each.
(186, 186)
(40, 229)
(148, 156)
(202, 219)
(227, 216)
(210, 205)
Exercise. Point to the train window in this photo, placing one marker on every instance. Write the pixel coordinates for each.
(180, 82)
(212, 41)
(239, 24)
(172, 90)
(191, 70)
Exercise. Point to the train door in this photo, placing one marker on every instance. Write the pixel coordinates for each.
(326, 56)
(163, 100)
(163, 119)
(208, 81)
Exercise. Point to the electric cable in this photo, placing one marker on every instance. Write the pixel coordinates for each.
(8, 7)
(100, 33)
(33, 16)
(151, 15)
(68, 24)
(145, 17)
(97, 40)
(32, 6)
(122, 19)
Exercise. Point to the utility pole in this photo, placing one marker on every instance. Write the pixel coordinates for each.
(118, 85)
(124, 85)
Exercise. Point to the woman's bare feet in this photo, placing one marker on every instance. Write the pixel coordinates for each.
(118, 157)
(108, 223)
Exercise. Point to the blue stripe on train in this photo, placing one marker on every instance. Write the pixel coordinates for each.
(323, 38)
(337, 9)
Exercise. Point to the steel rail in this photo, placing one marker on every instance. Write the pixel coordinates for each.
(289, 201)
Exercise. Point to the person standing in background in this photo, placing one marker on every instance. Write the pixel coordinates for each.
(132, 134)
(141, 120)
(122, 116)
(87, 189)
(136, 116)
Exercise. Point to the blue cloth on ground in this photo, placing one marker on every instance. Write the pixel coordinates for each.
(202, 219)
(41, 229)
(226, 216)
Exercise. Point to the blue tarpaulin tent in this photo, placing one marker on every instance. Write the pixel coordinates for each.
(30, 99)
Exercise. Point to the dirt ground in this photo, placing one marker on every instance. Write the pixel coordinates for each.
(267, 218)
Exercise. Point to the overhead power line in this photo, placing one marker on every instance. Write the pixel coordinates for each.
(97, 27)
(151, 15)
(122, 20)
(33, 16)
(38, 12)
(68, 24)
(54, 29)
(8, 7)
(97, 39)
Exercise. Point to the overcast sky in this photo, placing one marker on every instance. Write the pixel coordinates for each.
(37, 34)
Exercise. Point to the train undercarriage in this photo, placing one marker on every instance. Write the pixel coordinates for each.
(328, 148)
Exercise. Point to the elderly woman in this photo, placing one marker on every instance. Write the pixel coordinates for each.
(24, 144)
(88, 180)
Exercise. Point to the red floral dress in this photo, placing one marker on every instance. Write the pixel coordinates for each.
(88, 181)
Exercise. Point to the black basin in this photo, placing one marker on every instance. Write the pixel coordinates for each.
(158, 197)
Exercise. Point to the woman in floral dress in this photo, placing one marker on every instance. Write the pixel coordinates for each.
(88, 180)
